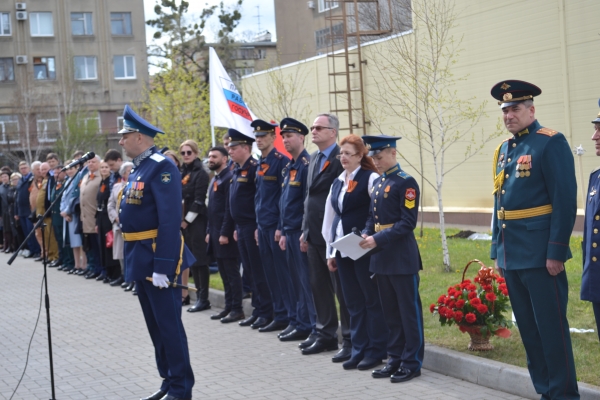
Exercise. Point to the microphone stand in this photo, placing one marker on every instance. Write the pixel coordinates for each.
(40, 224)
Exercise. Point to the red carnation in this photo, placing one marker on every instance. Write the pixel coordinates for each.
(502, 286)
(447, 300)
(472, 295)
(490, 297)
(475, 301)
(432, 308)
(442, 311)
(505, 292)
(460, 304)
(450, 289)
(458, 316)
(482, 309)
(449, 314)
(501, 280)
(451, 304)
(487, 288)
(441, 299)
(470, 318)
(472, 287)
(467, 281)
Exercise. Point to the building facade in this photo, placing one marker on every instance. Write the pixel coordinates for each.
(65, 59)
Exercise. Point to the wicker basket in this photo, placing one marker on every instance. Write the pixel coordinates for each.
(478, 342)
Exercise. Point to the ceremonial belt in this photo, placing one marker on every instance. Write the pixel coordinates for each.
(152, 234)
(380, 227)
(525, 213)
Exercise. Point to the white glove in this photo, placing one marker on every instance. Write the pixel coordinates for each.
(160, 280)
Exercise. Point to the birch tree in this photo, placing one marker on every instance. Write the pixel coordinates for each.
(416, 83)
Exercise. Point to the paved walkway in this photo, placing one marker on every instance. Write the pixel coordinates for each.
(102, 351)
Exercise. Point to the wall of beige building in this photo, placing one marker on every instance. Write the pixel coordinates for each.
(551, 43)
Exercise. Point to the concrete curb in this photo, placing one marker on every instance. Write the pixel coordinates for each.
(481, 371)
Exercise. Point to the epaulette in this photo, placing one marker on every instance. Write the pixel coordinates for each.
(157, 157)
(305, 161)
(278, 155)
(253, 162)
(403, 174)
(547, 131)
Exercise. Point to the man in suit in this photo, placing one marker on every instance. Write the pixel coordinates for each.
(390, 225)
(590, 281)
(150, 218)
(219, 236)
(322, 170)
(535, 205)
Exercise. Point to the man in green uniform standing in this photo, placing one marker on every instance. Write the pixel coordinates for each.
(535, 203)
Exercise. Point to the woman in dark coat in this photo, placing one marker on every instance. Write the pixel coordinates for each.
(103, 226)
(194, 180)
(6, 215)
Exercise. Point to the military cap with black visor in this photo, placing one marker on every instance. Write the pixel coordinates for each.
(134, 123)
(597, 120)
(291, 125)
(511, 92)
(261, 128)
(238, 138)
(378, 143)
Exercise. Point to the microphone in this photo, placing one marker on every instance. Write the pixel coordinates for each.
(86, 157)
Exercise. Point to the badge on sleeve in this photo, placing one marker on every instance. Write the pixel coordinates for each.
(165, 177)
(410, 197)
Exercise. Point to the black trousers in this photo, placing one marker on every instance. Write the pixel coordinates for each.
(325, 285)
(229, 269)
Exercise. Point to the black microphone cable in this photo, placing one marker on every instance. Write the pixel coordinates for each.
(30, 340)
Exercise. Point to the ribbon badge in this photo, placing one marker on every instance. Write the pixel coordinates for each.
(523, 166)
(293, 173)
(351, 186)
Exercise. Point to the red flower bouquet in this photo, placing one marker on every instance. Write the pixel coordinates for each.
(477, 307)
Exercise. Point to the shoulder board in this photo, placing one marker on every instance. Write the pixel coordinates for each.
(157, 157)
(403, 174)
(288, 164)
(276, 154)
(547, 131)
(305, 161)
(595, 170)
(253, 162)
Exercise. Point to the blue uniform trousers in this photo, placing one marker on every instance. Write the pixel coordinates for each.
(403, 314)
(229, 269)
(276, 273)
(93, 254)
(539, 301)
(368, 332)
(297, 261)
(596, 307)
(32, 243)
(261, 297)
(162, 312)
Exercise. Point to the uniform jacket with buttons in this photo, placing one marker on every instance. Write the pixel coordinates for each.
(157, 206)
(590, 282)
(529, 242)
(268, 189)
(394, 200)
(294, 193)
(242, 192)
(220, 223)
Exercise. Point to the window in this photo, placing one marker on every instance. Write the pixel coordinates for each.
(7, 70)
(81, 24)
(325, 37)
(85, 67)
(325, 5)
(124, 67)
(47, 129)
(44, 68)
(119, 122)
(4, 24)
(9, 129)
(243, 71)
(120, 23)
(40, 24)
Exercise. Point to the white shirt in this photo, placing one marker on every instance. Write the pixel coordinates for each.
(330, 212)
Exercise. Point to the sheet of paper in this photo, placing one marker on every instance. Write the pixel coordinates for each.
(348, 245)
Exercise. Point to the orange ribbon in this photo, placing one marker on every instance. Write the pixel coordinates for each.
(325, 166)
(214, 186)
(185, 179)
(293, 175)
(351, 186)
(264, 168)
(102, 188)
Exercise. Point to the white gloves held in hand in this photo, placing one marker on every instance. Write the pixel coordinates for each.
(160, 280)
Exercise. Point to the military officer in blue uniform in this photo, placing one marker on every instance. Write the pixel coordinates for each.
(150, 217)
(396, 260)
(268, 193)
(590, 282)
(535, 204)
(293, 194)
(242, 210)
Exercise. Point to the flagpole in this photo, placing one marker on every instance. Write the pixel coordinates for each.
(212, 134)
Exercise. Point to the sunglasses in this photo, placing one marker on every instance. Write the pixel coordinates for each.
(186, 153)
(319, 128)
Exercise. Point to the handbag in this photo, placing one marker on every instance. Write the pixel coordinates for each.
(110, 238)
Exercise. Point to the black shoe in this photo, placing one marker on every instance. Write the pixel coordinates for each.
(117, 282)
(93, 275)
(83, 273)
(106, 279)
(220, 315)
(288, 329)
(343, 355)
(368, 363)
(321, 345)
(246, 295)
(62, 267)
(40, 258)
(125, 284)
(384, 372)
(156, 396)
(352, 363)
(233, 316)
(72, 271)
(260, 322)
(309, 341)
(101, 277)
(404, 375)
(169, 397)
(248, 321)
(273, 326)
(185, 301)
(130, 287)
(31, 255)
(294, 335)
(200, 305)
(54, 264)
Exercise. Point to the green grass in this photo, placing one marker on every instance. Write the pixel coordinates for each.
(434, 282)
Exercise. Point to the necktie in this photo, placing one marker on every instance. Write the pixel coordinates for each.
(317, 165)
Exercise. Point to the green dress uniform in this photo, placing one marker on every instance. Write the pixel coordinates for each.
(535, 204)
